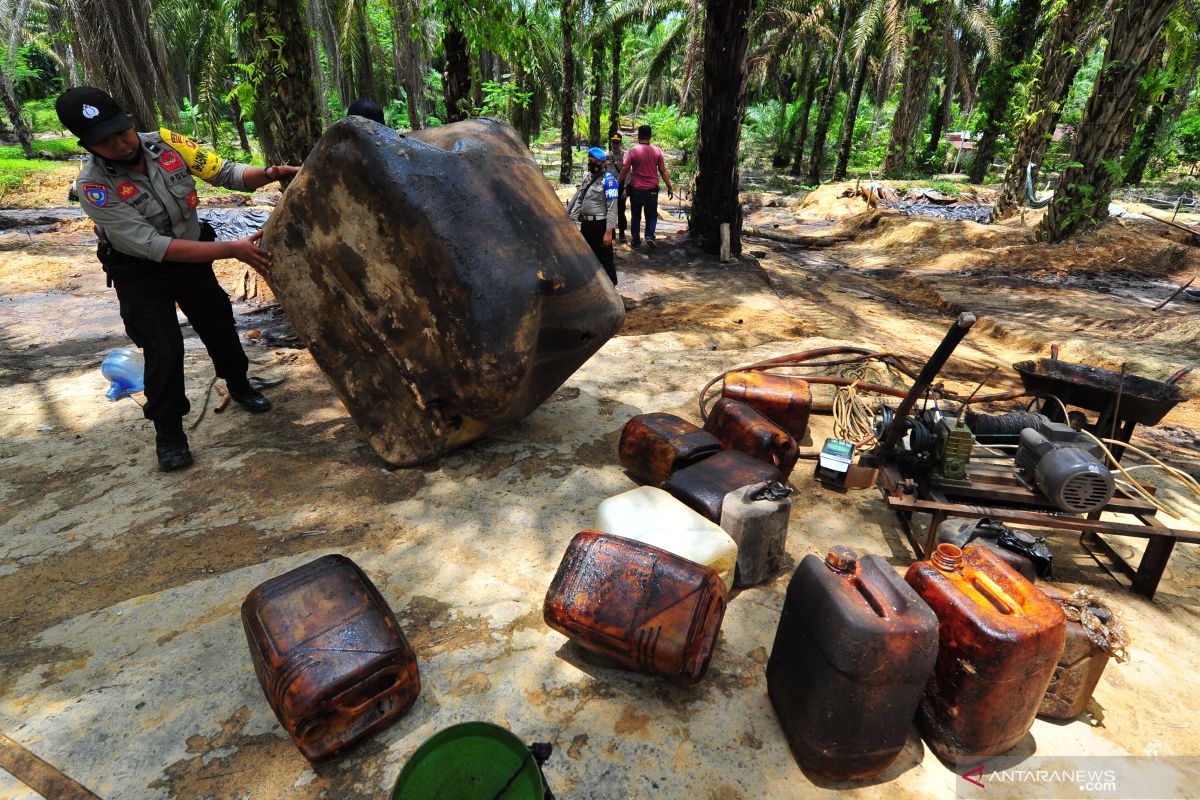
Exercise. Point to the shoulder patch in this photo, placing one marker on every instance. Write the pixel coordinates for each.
(94, 193)
(204, 164)
(610, 187)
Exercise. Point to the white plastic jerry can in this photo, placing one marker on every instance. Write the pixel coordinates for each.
(650, 515)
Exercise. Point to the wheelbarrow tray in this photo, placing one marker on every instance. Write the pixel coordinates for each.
(1143, 400)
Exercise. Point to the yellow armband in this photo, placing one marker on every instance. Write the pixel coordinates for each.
(204, 164)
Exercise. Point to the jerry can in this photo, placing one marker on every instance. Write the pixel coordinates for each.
(648, 610)
(436, 280)
(999, 640)
(703, 486)
(1083, 660)
(329, 655)
(962, 532)
(853, 652)
(655, 445)
(739, 427)
(650, 515)
(783, 399)
(756, 519)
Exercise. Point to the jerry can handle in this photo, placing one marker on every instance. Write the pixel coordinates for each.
(392, 687)
(992, 591)
(868, 593)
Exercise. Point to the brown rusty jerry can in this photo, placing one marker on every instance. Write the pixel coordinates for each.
(436, 280)
(703, 486)
(783, 399)
(999, 639)
(983, 532)
(853, 652)
(655, 445)
(739, 427)
(646, 609)
(1079, 669)
(329, 654)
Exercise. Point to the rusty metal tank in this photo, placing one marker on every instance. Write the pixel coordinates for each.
(853, 653)
(703, 485)
(646, 609)
(655, 445)
(784, 399)
(1081, 666)
(739, 427)
(437, 281)
(329, 654)
(999, 640)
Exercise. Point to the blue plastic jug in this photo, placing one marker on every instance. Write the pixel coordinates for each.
(126, 369)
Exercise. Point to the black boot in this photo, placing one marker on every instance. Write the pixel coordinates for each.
(171, 445)
(247, 396)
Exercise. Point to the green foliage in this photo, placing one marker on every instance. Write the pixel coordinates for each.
(502, 98)
(66, 146)
(672, 131)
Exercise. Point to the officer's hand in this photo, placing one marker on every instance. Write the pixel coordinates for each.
(608, 238)
(285, 172)
(247, 251)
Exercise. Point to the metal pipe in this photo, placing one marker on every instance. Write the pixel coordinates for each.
(925, 379)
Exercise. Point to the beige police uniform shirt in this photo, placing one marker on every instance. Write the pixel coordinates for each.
(141, 214)
(595, 197)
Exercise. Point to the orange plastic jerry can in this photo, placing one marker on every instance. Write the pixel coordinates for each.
(329, 655)
(999, 640)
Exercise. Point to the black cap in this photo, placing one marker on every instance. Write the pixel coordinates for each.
(365, 107)
(91, 114)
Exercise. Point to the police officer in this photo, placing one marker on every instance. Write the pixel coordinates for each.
(616, 160)
(594, 206)
(140, 190)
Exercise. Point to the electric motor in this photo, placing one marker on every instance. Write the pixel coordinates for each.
(1064, 465)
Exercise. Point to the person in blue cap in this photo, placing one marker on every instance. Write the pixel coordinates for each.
(594, 207)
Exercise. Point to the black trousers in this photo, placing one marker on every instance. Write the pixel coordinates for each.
(593, 233)
(148, 292)
(622, 223)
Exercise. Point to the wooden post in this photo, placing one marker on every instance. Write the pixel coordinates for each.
(724, 242)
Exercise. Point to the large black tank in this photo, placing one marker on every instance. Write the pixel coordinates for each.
(437, 281)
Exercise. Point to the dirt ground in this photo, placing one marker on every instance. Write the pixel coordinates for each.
(122, 659)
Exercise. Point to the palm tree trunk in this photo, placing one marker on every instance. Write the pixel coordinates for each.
(782, 154)
(998, 82)
(1143, 145)
(364, 71)
(456, 84)
(568, 90)
(846, 137)
(235, 107)
(410, 60)
(614, 100)
(1061, 59)
(287, 118)
(722, 107)
(1083, 192)
(597, 83)
(915, 90)
(802, 127)
(940, 114)
(13, 110)
(816, 158)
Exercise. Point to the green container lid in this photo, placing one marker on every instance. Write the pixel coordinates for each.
(471, 761)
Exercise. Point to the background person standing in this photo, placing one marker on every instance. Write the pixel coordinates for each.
(616, 160)
(644, 164)
(594, 205)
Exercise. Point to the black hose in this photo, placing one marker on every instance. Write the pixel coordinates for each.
(1010, 424)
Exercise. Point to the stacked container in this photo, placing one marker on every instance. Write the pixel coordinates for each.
(646, 609)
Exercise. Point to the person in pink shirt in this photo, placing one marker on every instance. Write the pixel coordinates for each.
(644, 163)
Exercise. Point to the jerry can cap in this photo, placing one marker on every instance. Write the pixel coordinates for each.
(841, 559)
(947, 557)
